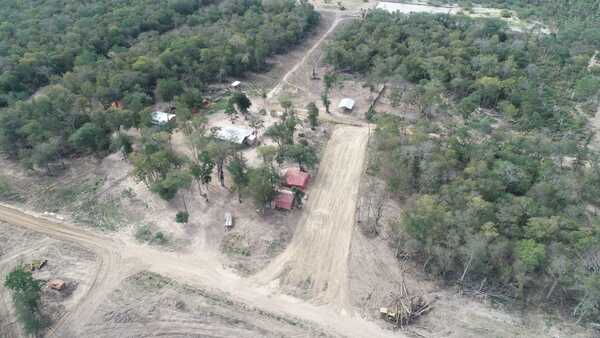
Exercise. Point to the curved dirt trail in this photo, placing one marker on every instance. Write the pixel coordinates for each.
(317, 257)
(203, 272)
(105, 277)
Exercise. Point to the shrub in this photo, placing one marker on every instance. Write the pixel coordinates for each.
(26, 297)
(143, 233)
(182, 217)
(159, 238)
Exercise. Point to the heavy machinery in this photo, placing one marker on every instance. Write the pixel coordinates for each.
(36, 264)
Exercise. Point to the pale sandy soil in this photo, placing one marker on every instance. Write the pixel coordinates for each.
(118, 259)
(316, 261)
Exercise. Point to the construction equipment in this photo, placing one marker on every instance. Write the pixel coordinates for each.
(35, 265)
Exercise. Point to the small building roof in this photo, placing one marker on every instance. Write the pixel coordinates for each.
(347, 103)
(284, 200)
(235, 134)
(236, 84)
(56, 284)
(296, 178)
(160, 117)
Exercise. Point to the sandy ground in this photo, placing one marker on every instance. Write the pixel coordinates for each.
(316, 259)
(147, 302)
(118, 259)
(71, 263)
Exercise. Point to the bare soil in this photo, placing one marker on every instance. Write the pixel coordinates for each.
(147, 302)
(315, 262)
(73, 264)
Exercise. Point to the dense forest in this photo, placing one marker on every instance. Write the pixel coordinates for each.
(502, 198)
(132, 52)
(575, 22)
(530, 79)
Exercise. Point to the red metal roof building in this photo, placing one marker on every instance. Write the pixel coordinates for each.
(284, 200)
(296, 178)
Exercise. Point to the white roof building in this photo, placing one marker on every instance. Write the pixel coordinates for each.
(160, 117)
(346, 103)
(236, 134)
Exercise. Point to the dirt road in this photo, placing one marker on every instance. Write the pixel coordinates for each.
(317, 257)
(118, 260)
(273, 92)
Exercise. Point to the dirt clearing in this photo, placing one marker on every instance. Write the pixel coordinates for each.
(147, 302)
(316, 259)
(70, 263)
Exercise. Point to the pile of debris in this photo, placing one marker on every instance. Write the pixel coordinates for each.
(406, 308)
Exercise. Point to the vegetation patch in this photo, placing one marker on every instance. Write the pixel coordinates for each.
(235, 244)
(7, 192)
(499, 183)
(26, 294)
(144, 233)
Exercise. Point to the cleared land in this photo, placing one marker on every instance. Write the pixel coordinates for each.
(201, 272)
(317, 258)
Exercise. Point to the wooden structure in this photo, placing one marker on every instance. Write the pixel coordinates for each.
(296, 178)
(284, 200)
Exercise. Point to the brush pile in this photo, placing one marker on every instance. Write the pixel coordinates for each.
(405, 309)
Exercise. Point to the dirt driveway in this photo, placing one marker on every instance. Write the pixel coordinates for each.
(317, 257)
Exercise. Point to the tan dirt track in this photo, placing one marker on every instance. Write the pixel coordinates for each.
(318, 253)
(273, 92)
(119, 260)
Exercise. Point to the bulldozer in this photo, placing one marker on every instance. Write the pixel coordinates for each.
(35, 264)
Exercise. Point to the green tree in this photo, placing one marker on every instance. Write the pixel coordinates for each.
(182, 217)
(326, 102)
(167, 89)
(262, 185)
(283, 132)
(304, 155)
(202, 171)
(89, 138)
(230, 111)
(173, 182)
(26, 297)
(241, 101)
(588, 88)
(219, 152)
(286, 104)
(238, 170)
(123, 143)
(313, 114)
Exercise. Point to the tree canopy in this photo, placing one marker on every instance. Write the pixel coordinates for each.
(130, 55)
